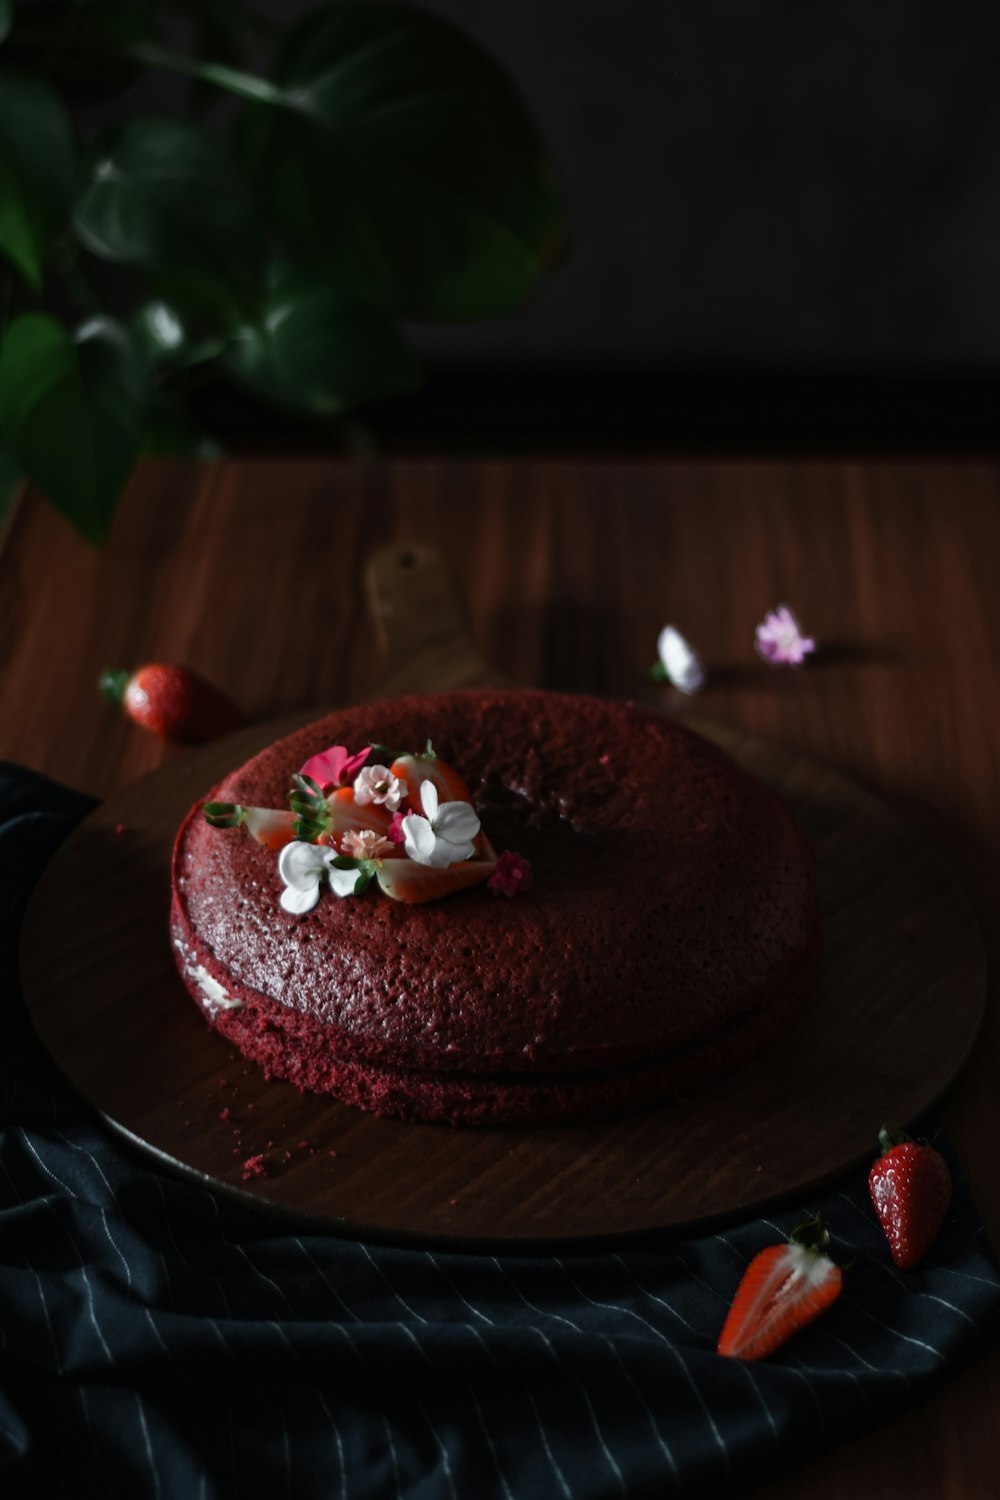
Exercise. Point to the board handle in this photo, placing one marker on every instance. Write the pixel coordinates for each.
(422, 625)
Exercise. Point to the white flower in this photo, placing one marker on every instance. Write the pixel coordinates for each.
(680, 664)
(445, 836)
(302, 867)
(377, 784)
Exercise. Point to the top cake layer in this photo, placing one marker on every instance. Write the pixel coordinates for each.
(672, 893)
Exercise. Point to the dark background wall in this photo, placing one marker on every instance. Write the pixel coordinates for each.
(762, 182)
(786, 228)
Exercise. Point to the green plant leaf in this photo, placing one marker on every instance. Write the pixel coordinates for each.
(166, 195)
(36, 172)
(402, 159)
(71, 408)
(207, 301)
(6, 18)
(167, 340)
(315, 349)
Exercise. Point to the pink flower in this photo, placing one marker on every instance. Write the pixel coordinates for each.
(378, 784)
(779, 639)
(365, 843)
(513, 875)
(334, 767)
(395, 829)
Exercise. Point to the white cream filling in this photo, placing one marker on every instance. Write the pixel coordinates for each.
(214, 997)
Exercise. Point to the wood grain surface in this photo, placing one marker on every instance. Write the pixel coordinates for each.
(894, 1018)
(253, 573)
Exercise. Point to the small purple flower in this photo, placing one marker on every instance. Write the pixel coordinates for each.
(779, 639)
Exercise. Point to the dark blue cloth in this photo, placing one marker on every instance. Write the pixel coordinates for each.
(157, 1340)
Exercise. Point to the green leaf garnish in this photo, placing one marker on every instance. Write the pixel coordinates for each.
(224, 814)
(308, 787)
(312, 812)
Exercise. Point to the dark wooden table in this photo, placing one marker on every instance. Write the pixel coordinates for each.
(253, 573)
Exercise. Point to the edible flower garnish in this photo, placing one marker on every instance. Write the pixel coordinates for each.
(302, 868)
(677, 662)
(378, 784)
(365, 843)
(335, 767)
(406, 822)
(779, 639)
(444, 835)
(512, 875)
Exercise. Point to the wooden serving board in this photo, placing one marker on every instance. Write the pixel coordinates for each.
(899, 1005)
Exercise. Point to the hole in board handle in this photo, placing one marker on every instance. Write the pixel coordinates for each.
(408, 561)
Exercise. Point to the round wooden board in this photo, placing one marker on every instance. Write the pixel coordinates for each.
(900, 1001)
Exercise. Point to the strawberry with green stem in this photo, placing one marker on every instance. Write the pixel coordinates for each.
(910, 1188)
(171, 701)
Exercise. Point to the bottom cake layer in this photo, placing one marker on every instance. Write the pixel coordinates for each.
(289, 1045)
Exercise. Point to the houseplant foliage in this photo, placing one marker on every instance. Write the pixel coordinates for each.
(379, 169)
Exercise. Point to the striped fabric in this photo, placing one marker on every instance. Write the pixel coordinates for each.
(158, 1341)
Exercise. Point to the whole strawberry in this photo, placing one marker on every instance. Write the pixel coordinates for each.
(170, 701)
(910, 1187)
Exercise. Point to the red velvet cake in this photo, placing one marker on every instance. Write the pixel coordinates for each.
(670, 924)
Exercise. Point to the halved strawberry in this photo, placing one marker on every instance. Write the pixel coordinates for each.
(783, 1288)
(270, 826)
(413, 769)
(484, 848)
(346, 814)
(405, 880)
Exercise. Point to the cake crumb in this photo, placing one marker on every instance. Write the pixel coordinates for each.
(120, 828)
(452, 1202)
(331, 1152)
(254, 1166)
(224, 1113)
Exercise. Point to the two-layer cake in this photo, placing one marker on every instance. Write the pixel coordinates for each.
(670, 925)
